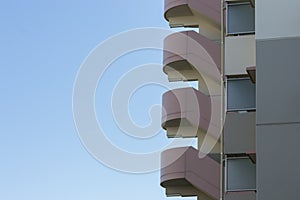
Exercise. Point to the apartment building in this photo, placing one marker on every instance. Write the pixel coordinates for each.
(247, 121)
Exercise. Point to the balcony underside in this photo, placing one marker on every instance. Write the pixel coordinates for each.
(252, 73)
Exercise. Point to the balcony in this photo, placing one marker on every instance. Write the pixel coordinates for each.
(190, 56)
(239, 133)
(188, 113)
(183, 173)
(195, 13)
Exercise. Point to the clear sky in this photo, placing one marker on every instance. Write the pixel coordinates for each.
(43, 44)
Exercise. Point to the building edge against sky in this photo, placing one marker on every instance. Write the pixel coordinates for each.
(190, 56)
(256, 155)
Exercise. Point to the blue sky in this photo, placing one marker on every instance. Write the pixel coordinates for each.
(43, 44)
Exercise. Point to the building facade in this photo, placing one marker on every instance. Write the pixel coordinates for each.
(246, 120)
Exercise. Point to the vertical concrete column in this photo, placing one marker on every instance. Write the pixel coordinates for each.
(278, 99)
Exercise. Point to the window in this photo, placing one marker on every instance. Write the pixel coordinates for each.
(240, 174)
(240, 19)
(240, 94)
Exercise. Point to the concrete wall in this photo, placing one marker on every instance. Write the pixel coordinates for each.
(239, 54)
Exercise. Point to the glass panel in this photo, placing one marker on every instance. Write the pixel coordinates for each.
(240, 18)
(241, 174)
(240, 94)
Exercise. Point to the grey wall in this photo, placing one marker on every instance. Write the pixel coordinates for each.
(247, 195)
(239, 133)
(278, 118)
(278, 81)
(278, 162)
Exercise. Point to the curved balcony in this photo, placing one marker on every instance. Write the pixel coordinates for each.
(190, 56)
(183, 173)
(190, 113)
(195, 13)
(180, 110)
